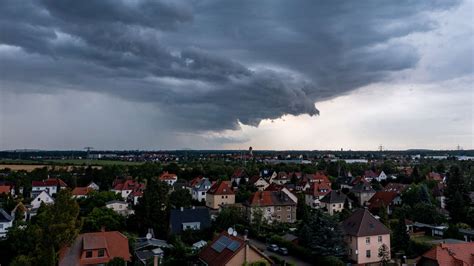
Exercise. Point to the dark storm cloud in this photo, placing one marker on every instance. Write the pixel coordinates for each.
(209, 64)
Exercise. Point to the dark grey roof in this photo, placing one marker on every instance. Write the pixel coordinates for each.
(363, 223)
(334, 197)
(143, 242)
(5, 217)
(189, 215)
(362, 187)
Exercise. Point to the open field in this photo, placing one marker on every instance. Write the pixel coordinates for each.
(30, 165)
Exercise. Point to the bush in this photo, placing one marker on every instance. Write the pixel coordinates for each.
(416, 248)
(331, 261)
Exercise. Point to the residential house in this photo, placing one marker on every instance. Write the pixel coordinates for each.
(335, 201)
(199, 187)
(364, 235)
(433, 176)
(120, 207)
(7, 189)
(148, 249)
(395, 187)
(221, 193)
(281, 178)
(195, 218)
(363, 191)
(6, 221)
(438, 193)
(81, 192)
(448, 254)
(387, 199)
(136, 193)
(43, 197)
(239, 175)
(96, 248)
(168, 178)
(93, 185)
(259, 182)
(315, 193)
(277, 206)
(227, 249)
(50, 185)
(126, 186)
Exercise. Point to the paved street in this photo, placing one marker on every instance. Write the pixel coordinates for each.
(287, 258)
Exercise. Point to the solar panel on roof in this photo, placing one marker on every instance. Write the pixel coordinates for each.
(224, 240)
(233, 246)
(218, 247)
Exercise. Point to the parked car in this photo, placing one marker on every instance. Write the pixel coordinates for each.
(283, 251)
(273, 248)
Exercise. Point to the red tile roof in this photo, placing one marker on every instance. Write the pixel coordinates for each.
(318, 189)
(50, 182)
(380, 198)
(167, 176)
(81, 191)
(195, 181)
(127, 184)
(321, 177)
(5, 189)
(114, 243)
(274, 187)
(461, 254)
(434, 176)
(270, 198)
(221, 188)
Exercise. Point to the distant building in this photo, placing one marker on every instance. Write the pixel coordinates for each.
(50, 185)
(239, 175)
(364, 235)
(6, 222)
(221, 193)
(363, 191)
(259, 182)
(273, 205)
(315, 193)
(387, 199)
(7, 190)
(126, 186)
(43, 197)
(195, 218)
(231, 250)
(96, 248)
(448, 254)
(81, 192)
(335, 201)
(168, 178)
(198, 188)
(120, 207)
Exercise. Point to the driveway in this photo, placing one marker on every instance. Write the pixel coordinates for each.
(260, 245)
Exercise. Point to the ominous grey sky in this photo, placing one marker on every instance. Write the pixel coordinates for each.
(137, 74)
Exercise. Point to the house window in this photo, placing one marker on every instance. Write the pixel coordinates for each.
(269, 209)
(288, 216)
(367, 240)
(226, 197)
(89, 254)
(288, 208)
(1, 226)
(101, 252)
(222, 196)
(278, 209)
(380, 239)
(334, 205)
(278, 217)
(203, 193)
(367, 253)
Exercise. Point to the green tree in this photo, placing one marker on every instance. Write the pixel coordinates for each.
(117, 261)
(103, 218)
(322, 234)
(384, 254)
(180, 198)
(228, 217)
(452, 232)
(427, 213)
(400, 237)
(456, 193)
(384, 215)
(303, 211)
(152, 210)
